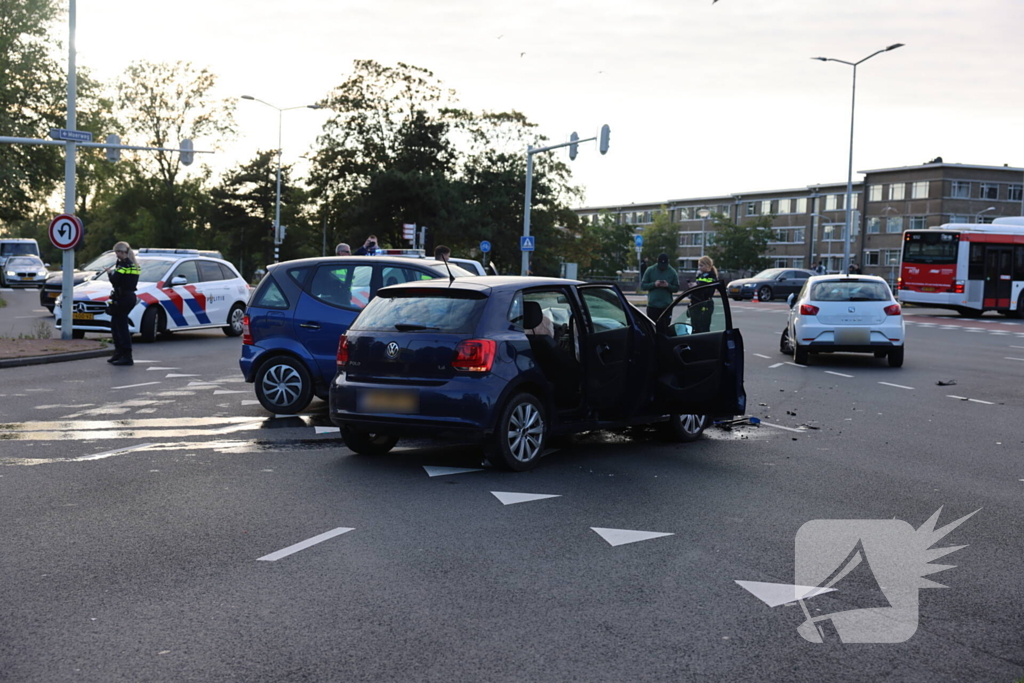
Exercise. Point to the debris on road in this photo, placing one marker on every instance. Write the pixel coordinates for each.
(946, 383)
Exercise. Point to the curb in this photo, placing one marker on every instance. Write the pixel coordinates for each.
(52, 358)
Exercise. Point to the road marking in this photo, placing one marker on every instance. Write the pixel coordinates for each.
(326, 430)
(898, 386)
(795, 365)
(433, 471)
(960, 398)
(510, 498)
(775, 366)
(302, 545)
(160, 368)
(250, 402)
(762, 356)
(1016, 347)
(1011, 358)
(229, 391)
(623, 536)
(175, 374)
(107, 454)
(977, 400)
(829, 372)
(775, 594)
(132, 386)
(788, 429)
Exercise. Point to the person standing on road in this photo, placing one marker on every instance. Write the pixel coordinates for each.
(660, 282)
(702, 304)
(124, 278)
(821, 269)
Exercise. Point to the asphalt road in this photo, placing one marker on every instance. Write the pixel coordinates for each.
(23, 315)
(143, 510)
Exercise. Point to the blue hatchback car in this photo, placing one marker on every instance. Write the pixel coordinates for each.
(298, 311)
(512, 361)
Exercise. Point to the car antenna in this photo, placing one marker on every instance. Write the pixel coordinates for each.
(451, 278)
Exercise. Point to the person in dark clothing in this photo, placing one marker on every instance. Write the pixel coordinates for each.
(702, 304)
(643, 267)
(659, 282)
(442, 253)
(124, 279)
(369, 247)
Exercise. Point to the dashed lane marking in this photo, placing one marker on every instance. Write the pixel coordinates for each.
(775, 366)
(898, 386)
(1011, 358)
(302, 545)
(829, 372)
(762, 356)
(132, 386)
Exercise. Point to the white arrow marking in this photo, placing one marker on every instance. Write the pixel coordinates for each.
(624, 536)
(775, 594)
(444, 471)
(302, 545)
(508, 498)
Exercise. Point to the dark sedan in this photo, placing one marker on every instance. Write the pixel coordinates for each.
(511, 361)
(51, 289)
(774, 283)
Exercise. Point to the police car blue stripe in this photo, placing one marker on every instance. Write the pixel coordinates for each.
(172, 311)
(198, 310)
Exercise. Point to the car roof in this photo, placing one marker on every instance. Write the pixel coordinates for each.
(845, 276)
(486, 283)
(390, 260)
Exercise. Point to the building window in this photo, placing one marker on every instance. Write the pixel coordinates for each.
(766, 207)
(989, 191)
(894, 224)
(831, 202)
(919, 190)
(960, 218)
(874, 225)
(751, 209)
(891, 256)
(918, 222)
(874, 193)
(961, 189)
(871, 258)
(684, 213)
(784, 205)
(854, 200)
(1014, 193)
(897, 191)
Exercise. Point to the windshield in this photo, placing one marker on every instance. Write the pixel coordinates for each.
(101, 262)
(769, 274)
(414, 310)
(18, 248)
(22, 261)
(930, 247)
(153, 270)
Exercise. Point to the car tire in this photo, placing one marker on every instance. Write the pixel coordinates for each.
(367, 443)
(685, 428)
(785, 345)
(896, 357)
(149, 327)
(284, 385)
(520, 434)
(800, 354)
(234, 326)
(765, 293)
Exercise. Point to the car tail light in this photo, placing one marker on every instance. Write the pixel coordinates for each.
(342, 351)
(474, 355)
(807, 309)
(246, 334)
(894, 309)
(958, 288)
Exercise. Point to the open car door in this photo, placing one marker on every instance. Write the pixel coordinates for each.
(700, 355)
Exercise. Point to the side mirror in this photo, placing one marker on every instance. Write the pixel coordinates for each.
(46, 265)
(790, 299)
(179, 280)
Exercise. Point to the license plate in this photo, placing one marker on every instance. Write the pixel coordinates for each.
(83, 316)
(53, 295)
(853, 335)
(28, 279)
(927, 289)
(377, 401)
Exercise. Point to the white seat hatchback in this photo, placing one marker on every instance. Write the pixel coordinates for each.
(844, 313)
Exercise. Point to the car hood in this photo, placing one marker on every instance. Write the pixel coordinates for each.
(79, 276)
(93, 290)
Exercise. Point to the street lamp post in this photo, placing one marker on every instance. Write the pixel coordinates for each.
(278, 236)
(703, 213)
(849, 174)
(977, 216)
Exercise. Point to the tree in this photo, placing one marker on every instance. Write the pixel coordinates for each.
(661, 237)
(611, 246)
(741, 247)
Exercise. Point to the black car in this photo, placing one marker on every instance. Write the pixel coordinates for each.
(774, 283)
(511, 361)
(51, 289)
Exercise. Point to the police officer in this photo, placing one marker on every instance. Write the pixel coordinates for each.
(124, 278)
(702, 304)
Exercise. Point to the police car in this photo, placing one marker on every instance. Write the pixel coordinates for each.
(176, 292)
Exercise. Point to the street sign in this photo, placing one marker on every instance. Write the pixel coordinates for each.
(73, 135)
(526, 243)
(409, 231)
(639, 241)
(485, 246)
(65, 231)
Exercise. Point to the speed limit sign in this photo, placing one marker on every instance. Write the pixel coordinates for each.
(65, 231)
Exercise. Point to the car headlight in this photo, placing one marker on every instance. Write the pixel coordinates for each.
(11, 273)
(748, 285)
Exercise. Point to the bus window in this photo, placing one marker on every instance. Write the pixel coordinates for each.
(976, 262)
(930, 247)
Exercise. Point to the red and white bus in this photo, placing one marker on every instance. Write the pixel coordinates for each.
(969, 268)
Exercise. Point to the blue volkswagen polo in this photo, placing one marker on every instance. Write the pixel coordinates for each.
(511, 361)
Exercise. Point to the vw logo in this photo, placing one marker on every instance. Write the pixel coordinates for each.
(392, 350)
(852, 309)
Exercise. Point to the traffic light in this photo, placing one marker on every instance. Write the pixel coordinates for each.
(573, 148)
(605, 132)
(113, 153)
(186, 155)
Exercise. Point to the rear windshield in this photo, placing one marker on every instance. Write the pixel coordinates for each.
(930, 247)
(416, 310)
(850, 290)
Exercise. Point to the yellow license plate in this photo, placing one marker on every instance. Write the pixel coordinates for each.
(83, 316)
(29, 279)
(927, 289)
(373, 401)
(53, 295)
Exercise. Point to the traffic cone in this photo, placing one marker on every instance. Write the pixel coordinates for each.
(756, 300)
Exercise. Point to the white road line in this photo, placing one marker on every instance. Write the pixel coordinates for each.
(1011, 358)
(788, 429)
(775, 366)
(959, 398)
(795, 365)
(132, 386)
(1016, 347)
(302, 545)
(107, 454)
(978, 400)
(762, 356)
(829, 372)
(898, 386)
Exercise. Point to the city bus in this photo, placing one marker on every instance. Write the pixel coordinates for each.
(969, 268)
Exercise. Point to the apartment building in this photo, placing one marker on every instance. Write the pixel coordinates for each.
(810, 222)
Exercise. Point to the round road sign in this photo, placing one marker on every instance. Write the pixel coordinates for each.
(65, 231)
(485, 246)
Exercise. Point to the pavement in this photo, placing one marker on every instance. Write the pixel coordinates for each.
(18, 352)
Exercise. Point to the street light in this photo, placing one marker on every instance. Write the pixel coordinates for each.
(849, 176)
(703, 214)
(278, 236)
(977, 216)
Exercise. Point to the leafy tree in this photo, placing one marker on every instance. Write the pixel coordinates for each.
(662, 236)
(741, 247)
(611, 246)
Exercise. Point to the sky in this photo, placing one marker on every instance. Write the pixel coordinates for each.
(702, 99)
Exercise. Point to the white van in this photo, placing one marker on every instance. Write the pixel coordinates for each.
(17, 246)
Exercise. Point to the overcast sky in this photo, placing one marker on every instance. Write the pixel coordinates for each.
(702, 99)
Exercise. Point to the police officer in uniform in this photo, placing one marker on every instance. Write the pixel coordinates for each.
(702, 304)
(124, 278)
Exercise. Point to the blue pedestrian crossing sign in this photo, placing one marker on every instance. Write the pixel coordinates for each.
(485, 246)
(638, 240)
(526, 243)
